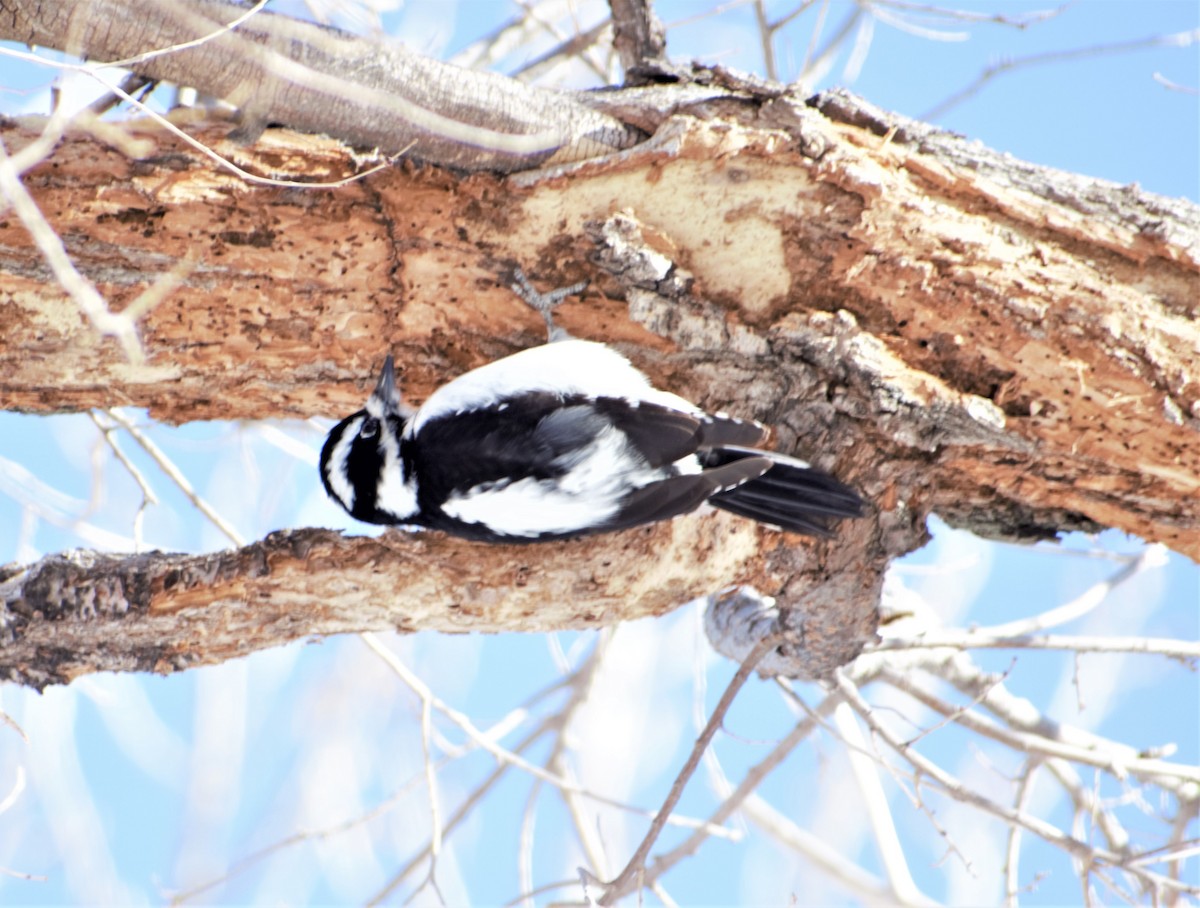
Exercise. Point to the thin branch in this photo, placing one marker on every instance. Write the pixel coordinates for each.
(494, 732)
(137, 86)
(879, 813)
(176, 476)
(580, 682)
(1020, 22)
(1118, 759)
(900, 23)
(1151, 557)
(79, 288)
(49, 504)
(798, 11)
(818, 62)
(577, 38)
(812, 847)
(107, 433)
(1179, 39)
(217, 32)
(962, 640)
(463, 811)
(570, 48)
(1012, 851)
(1087, 804)
(94, 71)
(753, 778)
(502, 755)
(959, 791)
(296, 838)
(1175, 86)
(431, 783)
(766, 37)
(593, 847)
(634, 870)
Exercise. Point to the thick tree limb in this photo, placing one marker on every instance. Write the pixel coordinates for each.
(82, 612)
(1017, 363)
(368, 93)
(1007, 345)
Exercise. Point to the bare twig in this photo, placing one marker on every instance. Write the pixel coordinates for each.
(962, 640)
(572, 47)
(1118, 759)
(107, 433)
(503, 755)
(580, 682)
(135, 85)
(1179, 39)
(79, 288)
(1087, 804)
(1012, 852)
(636, 867)
(766, 34)
(94, 71)
(175, 475)
(577, 38)
(816, 849)
(1151, 557)
(879, 814)
(752, 779)
(1020, 22)
(463, 811)
(956, 789)
(49, 504)
(296, 838)
(1021, 715)
(1175, 86)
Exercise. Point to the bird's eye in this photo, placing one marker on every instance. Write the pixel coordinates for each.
(370, 428)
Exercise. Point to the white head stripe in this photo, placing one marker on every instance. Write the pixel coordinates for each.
(336, 468)
(396, 494)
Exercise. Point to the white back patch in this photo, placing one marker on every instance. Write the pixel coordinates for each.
(397, 493)
(565, 367)
(336, 473)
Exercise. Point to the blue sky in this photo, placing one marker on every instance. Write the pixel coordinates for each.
(140, 786)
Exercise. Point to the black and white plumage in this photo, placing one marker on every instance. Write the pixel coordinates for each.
(559, 441)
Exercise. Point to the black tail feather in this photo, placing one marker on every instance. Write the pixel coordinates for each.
(791, 495)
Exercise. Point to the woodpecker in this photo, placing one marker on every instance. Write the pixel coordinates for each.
(562, 440)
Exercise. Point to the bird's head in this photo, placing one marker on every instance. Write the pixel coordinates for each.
(361, 466)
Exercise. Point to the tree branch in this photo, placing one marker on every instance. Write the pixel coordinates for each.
(638, 36)
(1007, 345)
(366, 92)
(80, 612)
(951, 331)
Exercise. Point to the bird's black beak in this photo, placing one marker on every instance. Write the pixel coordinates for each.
(386, 393)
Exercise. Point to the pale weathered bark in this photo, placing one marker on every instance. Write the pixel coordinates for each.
(951, 331)
(370, 93)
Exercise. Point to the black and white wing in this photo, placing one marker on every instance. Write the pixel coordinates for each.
(541, 466)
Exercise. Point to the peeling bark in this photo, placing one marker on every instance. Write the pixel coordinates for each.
(948, 329)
